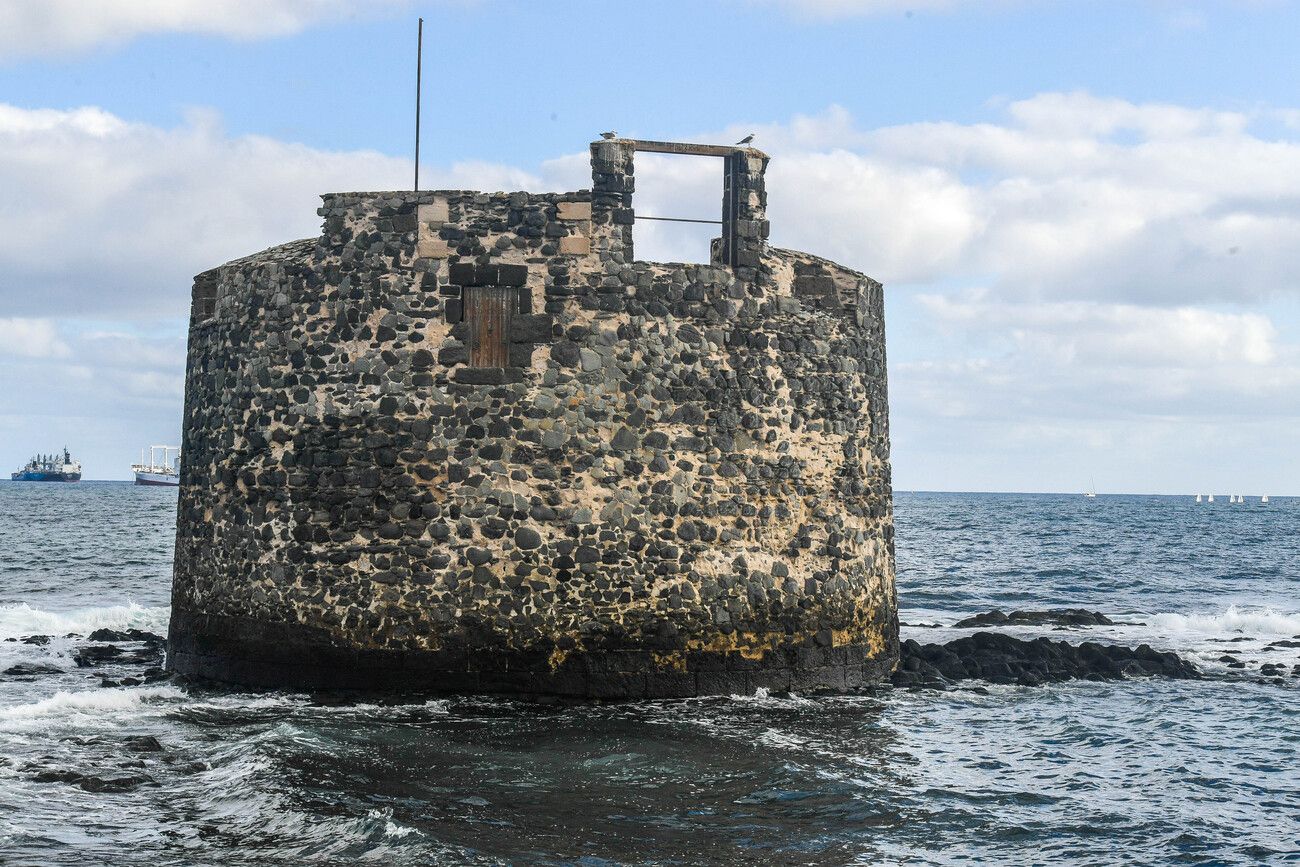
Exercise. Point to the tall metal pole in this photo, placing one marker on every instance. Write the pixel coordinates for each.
(419, 53)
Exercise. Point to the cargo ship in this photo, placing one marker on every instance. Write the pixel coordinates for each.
(160, 473)
(50, 468)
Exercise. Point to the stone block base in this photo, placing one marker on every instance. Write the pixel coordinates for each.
(293, 657)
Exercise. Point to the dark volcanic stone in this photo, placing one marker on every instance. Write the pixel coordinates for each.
(1051, 617)
(116, 784)
(143, 744)
(27, 669)
(528, 538)
(86, 657)
(1000, 658)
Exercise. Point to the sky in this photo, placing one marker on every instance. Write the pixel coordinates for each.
(1086, 214)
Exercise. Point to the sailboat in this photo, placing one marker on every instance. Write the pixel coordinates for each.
(1264, 499)
(1210, 498)
(1091, 493)
(1198, 498)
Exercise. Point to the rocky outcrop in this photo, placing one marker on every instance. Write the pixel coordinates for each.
(1002, 659)
(1050, 617)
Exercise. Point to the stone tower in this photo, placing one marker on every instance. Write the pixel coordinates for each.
(465, 442)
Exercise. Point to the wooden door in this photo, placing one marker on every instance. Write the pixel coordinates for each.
(489, 310)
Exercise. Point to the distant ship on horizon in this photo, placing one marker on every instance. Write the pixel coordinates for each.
(163, 473)
(49, 468)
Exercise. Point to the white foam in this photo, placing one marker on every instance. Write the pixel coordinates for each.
(19, 620)
(392, 829)
(98, 703)
(762, 695)
(1235, 620)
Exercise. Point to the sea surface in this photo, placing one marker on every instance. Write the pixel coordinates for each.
(1133, 772)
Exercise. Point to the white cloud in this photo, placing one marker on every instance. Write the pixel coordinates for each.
(31, 338)
(1059, 365)
(1127, 251)
(116, 217)
(31, 28)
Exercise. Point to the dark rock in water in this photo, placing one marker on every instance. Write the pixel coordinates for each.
(57, 777)
(128, 635)
(1284, 643)
(143, 744)
(117, 784)
(1236, 664)
(156, 673)
(1051, 617)
(27, 669)
(1002, 659)
(39, 640)
(86, 657)
(101, 654)
(94, 784)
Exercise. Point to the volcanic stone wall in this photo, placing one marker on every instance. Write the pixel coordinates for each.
(676, 484)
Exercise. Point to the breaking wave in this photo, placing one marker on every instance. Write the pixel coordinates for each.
(19, 620)
(97, 703)
(1243, 621)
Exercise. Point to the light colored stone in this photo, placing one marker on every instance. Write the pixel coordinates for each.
(432, 248)
(434, 212)
(574, 210)
(578, 245)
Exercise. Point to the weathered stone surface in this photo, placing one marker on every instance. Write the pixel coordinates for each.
(575, 245)
(1000, 658)
(679, 485)
(1054, 616)
(573, 210)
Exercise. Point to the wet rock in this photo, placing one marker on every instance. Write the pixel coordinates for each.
(1050, 617)
(57, 777)
(143, 744)
(31, 669)
(95, 655)
(116, 784)
(1284, 643)
(1002, 659)
(38, 640)
(87, 657)
(128, 635)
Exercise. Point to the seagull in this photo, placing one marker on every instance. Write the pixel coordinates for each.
(746, 140)
(610, 134)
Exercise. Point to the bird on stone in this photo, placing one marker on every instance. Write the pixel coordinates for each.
(746, 140)
(610, 134)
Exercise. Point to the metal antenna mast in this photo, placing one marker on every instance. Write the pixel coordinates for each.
(419, 54)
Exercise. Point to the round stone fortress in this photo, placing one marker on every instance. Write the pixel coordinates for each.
(465, 442)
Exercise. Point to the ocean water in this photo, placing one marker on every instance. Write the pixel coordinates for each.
(1134, 772)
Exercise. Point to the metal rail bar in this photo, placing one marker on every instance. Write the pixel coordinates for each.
(419, 57)
(679, 220)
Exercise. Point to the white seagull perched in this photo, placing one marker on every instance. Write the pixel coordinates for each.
(610, 134)
(746, 140)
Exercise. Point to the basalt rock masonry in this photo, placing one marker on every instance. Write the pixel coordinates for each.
(465, 442)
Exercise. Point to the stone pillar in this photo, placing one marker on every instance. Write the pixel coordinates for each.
(744, 213)
(612, 185)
